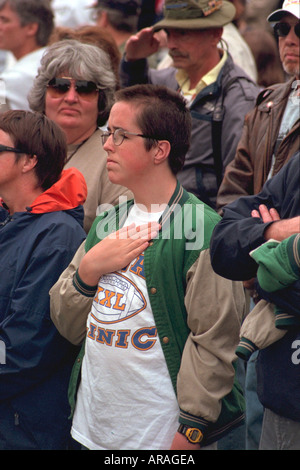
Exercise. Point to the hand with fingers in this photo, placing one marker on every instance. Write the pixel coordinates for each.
(280, 229)
(141, 45)
(116, 251)
(267, 215)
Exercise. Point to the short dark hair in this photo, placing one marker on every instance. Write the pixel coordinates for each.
(164, 115)
(35, 134)
(34, 11)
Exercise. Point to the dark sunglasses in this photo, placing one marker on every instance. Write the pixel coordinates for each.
(59, 86)
(4, 148)
(283, 29)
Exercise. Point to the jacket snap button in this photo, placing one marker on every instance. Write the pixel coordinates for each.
(153, 290)
(166, 340)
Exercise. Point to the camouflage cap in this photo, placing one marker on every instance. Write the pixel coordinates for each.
(195, 14)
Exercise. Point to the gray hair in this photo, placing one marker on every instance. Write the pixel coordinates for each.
(81, 62)
(34, 11)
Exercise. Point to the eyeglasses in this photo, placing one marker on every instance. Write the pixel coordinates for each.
(283, 29)
(119, 135)
(59, 86)
(4, 148)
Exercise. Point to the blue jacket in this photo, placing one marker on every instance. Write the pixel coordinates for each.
(233, 238)
(35, 361)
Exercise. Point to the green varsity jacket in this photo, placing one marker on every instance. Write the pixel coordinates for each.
(196, 312)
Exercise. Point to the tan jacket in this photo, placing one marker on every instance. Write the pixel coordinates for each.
(90, 159)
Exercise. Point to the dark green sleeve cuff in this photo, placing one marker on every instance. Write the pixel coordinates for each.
(245, 349)
(84, 289)
(193, 421)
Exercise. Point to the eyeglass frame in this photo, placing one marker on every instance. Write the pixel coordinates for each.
(106, 134)
(281, 34)
(50, 86)
(4, 148)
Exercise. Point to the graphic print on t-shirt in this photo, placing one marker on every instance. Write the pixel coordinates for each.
(126, 399)
(121, 314)
(118, 297)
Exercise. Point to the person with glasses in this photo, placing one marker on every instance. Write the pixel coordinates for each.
(158, 327)
(270, 137)
(74, 87)
(41, 218)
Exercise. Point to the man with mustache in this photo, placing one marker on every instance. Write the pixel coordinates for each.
(218, 91)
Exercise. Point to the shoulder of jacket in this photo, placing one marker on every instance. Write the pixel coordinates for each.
(233, 75)
(165, 76)
(264, 94)
(277, 90)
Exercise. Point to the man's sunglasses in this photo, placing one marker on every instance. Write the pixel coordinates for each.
(4, 148)
(283, 29)
(59, 86)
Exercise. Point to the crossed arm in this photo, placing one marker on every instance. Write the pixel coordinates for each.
(280, 229)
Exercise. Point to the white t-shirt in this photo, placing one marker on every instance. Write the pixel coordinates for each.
(72, 14)
(126, 400)
(17, 80)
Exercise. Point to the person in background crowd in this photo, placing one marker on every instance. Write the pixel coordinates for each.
(41, 218)
(256, 12)
(219, 92)
(25, 28)
(234, 237)
(142, 297)
(270, 137)
(238, 48)
(118, 17)
(265, 51)
(74, 87)
(233, 42)
(71, 14)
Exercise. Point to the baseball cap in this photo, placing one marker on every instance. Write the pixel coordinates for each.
(289, 6)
